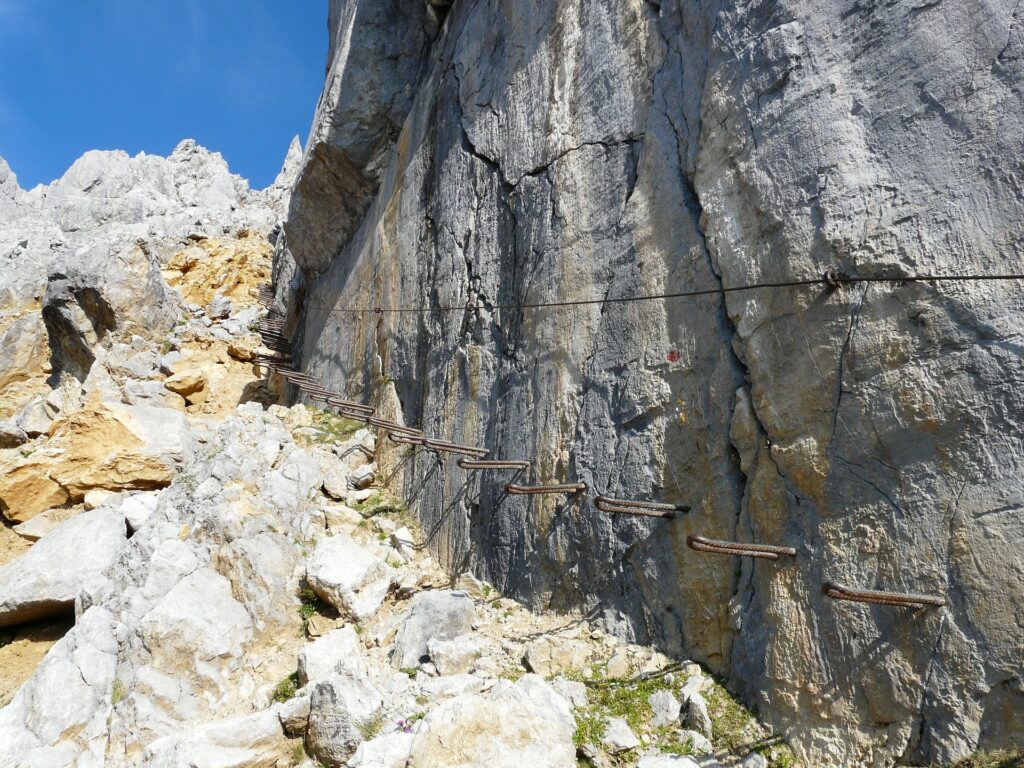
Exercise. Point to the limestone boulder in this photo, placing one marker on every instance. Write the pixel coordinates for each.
(34, 419)
(388, 751)
(11, 435)
(336, 651)
(59, 717)
(45, 580)
(248, 741)
(618, 736)
(196, 623)
(550, 655)
(341, 709)
(190, 383)
(454, 656)
(512, 725)
(352, 579)
(107, 446)
(434, 616)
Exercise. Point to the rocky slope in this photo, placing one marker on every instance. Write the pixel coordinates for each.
(476, 155)
(193, 575)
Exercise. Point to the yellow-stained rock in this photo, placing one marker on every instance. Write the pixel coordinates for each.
(232, 268)
(244, 349)
(190, 383)
(26, 488)
(106, 446)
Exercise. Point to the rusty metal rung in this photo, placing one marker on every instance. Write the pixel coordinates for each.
(639, 508)
(877, 597)
(526, 490)
(766, 551)
(393, 426)
(518, 464)
(443, 446)
(404, 439)
(340, 402)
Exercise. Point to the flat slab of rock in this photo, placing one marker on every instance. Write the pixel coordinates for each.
(440, 615)
(329, 654)
(513, 725)
(354, 581)
(45, 580)
(251, 740)
(550, 655)
(388, 751)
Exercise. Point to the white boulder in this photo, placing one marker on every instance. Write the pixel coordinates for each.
(348, 577)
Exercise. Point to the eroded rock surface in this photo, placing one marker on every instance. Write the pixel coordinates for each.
(555, 151)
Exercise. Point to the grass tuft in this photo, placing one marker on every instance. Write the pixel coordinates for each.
(1003, 758)
(287, 688)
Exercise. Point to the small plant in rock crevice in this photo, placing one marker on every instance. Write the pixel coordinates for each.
(311, 606)
(286, 689)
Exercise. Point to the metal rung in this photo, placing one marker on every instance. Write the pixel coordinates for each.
(404, 439)
(898, 599)
(639, 508)
(443, 446)
(512, 464)
(392, 426)
(766, 551)
(330, 398)
(524, 490)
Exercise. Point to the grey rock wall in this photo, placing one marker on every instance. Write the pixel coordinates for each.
(533, 151)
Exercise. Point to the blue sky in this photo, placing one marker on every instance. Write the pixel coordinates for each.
(242, 77)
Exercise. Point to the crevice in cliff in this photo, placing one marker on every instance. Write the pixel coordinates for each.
(843, 350)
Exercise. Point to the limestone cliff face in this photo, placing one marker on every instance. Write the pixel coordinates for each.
(529, 151)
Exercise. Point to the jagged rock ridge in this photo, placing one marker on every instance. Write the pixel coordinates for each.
(529, 151)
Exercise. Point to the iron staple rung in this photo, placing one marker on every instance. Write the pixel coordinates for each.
(405, 439)
(766, 551)
(878, 597)
(392, 426)
(324, 396)
(340, 402)
(523, 490)
(493, 464)
(344, 405)
(443, 446)
(621, 506)
(637, 511)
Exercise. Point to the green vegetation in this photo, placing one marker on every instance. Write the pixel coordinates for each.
(286, 689)
(410, 671)
(1004, 758)
(383, 503)
(371, 728)
(116, 693)
(298, 753)
(329, 429)
(311, 606)
(735, 731)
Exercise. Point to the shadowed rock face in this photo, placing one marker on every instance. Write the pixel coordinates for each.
(554, 151)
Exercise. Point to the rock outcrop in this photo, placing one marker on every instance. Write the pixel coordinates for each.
(526, 152)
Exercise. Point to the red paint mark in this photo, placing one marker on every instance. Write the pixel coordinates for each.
(672, 357)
